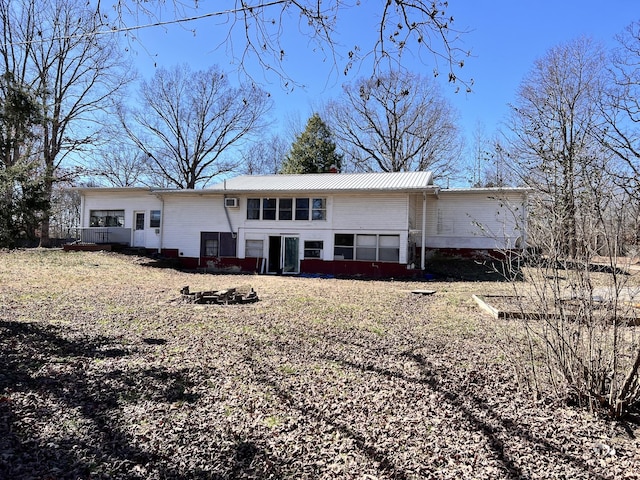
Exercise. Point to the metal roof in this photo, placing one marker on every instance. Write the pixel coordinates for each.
(379, 181)
(320, 182)
(112, 189)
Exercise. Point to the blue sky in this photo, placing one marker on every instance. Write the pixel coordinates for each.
(504, 37)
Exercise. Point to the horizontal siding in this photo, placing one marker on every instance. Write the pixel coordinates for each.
(454, 219)
(186, 217)
(469, 220)
(370, 213)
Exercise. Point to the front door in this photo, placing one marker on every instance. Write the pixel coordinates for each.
(284, 256)
(275, 249)
(138, 231)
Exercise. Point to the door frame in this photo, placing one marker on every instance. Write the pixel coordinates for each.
(276, 253)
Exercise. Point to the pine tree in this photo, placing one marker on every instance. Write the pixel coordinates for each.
(314, 150)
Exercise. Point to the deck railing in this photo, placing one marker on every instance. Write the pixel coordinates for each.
(102, 235)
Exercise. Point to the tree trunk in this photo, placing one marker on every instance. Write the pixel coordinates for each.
(45, 241)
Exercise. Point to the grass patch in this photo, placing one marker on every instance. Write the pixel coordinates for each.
(323, 378)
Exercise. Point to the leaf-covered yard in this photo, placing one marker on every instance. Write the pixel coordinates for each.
(104, 373)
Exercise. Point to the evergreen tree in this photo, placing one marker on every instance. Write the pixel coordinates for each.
(314, 150)
(22, 193)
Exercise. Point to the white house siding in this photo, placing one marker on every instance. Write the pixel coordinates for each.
(317, 230)
(387, 212)
(130, 202)
(381, 214)
(474, 220)
(465, 219)
(187, 216)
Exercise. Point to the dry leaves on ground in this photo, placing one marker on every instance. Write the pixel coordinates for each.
(106, 374)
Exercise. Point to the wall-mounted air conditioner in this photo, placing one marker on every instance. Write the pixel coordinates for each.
(230, 202)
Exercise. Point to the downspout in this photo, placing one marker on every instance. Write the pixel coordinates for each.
(161, 224)
(423, 246)
(159, 195)
(82, 218)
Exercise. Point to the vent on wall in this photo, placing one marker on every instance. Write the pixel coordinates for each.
(230, 202)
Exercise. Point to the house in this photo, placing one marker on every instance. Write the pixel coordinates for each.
(372, 224)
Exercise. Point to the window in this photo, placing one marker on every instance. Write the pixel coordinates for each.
(269, 208)
(253, 249)
(367, 247)
(343, 247)
(302, 209)
(319, 209)
(313, 248)
(389, 248)
(139, 221)
(253, 209)
(217, 244)
(106, 218)
(285, 209)
(154, 219)
(227, 244)
(211, 247)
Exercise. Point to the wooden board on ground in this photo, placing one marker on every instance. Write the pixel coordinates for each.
(510, 307)
(423, 292)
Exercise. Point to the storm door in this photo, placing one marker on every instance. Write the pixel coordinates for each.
(290, 255)
(138, 231)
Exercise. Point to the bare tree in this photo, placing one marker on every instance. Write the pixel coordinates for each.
(52, 48)
(122, 165)
(579, 325)
(491, 163)
(552, 123)
(188, 121)
(65, 213)
(255, 29)
(620, 133)
(265, 157)
(397, 122)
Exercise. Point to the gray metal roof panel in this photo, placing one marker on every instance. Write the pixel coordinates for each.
(327, 182)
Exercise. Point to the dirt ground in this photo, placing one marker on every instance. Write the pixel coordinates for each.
(105, 373)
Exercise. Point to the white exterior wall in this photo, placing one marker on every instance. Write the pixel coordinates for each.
(188, 216)
(129, 202)
(317, 230)
(344, 215)
(371, 213)
(475, 220)
(376, 214)
(455, 219)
